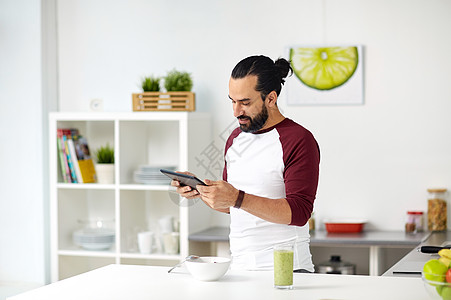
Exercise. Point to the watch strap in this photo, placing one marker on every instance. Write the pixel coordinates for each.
(239, 199)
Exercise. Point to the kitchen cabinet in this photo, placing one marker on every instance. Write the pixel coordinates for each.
(373, 251)
(139, 138)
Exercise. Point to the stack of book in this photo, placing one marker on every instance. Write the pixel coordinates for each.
(76, 164)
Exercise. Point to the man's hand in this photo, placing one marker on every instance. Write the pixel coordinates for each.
(185, 191)
(219, 195)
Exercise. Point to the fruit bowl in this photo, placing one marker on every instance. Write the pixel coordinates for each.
(208, 268)
(436, 286)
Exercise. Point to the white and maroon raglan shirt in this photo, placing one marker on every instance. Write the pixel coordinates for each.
(278, 162)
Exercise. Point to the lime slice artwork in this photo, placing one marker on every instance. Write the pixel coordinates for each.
(325, 75)
(324, 68)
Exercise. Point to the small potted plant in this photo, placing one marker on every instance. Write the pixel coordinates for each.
(105, 164)
(177, 81)
(150, 84)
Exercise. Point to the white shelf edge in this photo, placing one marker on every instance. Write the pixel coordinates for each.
(157, 256)
(85, 186)
(111, 254)
(121, 116)
(96, 186)
(144, 187)
(87, 253)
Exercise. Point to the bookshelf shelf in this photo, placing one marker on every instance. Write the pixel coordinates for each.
(156, 256)
(144, 187)
(85, 186)
(139, 138)
(78, 252)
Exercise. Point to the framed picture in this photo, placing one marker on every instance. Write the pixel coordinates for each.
(331, 75)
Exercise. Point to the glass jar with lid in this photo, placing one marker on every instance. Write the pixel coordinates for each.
(437, 210)
(414, 221)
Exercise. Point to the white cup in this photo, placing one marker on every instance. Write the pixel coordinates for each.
(171, 242)
(166, 224)
(145, 241)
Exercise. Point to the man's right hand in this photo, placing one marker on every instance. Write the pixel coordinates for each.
(185, 191)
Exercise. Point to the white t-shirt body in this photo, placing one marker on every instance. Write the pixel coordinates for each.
(256, 164)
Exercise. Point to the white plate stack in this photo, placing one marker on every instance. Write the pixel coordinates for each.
(152, 175)
(94, 238)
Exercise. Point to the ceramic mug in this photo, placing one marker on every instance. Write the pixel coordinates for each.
(171, 242)
(145, 241)
(166, 224)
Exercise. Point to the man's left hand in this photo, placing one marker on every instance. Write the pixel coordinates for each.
(218, 194)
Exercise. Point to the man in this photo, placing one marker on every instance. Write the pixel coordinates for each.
(271, 171)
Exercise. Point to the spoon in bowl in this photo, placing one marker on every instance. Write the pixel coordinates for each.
(190, 257)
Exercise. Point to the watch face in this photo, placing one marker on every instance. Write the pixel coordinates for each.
(96, 105)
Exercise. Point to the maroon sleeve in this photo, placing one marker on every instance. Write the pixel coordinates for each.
(229, 143)
(301, 157)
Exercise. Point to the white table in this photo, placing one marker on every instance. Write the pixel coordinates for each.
(149, 282)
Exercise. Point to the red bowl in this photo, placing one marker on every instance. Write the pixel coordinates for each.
(344, 226)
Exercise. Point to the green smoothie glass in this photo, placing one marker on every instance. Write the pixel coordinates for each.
(283, 266)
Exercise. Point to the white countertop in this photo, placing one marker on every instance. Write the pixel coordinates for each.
(412, 263)
(150, 282)
(370, 237)
(322, 237)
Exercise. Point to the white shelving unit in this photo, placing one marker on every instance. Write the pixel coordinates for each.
(139, 138)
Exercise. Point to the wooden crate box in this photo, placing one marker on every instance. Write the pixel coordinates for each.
(158, 101)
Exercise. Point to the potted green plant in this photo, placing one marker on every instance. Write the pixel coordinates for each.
(178, 95)
(105, 164)
(150, 84)
(178, 81)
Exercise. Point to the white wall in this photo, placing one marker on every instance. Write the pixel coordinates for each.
(22, 235)
(378, 159)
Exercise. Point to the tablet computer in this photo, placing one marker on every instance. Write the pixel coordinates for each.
(184, 179)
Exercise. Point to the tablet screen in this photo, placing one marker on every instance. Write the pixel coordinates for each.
(184, 179)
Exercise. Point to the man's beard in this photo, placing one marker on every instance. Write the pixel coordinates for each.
(256, 123)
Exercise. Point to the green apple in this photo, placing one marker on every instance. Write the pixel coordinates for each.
(434, 270)
(445, 292)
